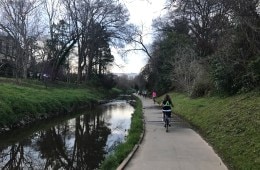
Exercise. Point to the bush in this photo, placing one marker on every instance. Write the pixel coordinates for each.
(223, 78)
(202, 83)
(200, 89)
(234, 78)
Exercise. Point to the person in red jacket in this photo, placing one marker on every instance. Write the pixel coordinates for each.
(154, 96)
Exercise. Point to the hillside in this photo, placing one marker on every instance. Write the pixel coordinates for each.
(22, 104)
(230, 124)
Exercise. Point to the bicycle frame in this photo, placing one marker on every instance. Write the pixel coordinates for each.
(166, 121)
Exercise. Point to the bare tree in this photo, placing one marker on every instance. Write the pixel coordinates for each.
(138, 44)
(185, 68)
(62, 38)
(20, 21)
(207, 18)
(245, 15)
(88, 15)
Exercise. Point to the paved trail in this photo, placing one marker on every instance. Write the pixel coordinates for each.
(179, 149)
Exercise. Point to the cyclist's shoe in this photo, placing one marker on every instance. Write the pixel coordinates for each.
(164, 125)
(169, 124)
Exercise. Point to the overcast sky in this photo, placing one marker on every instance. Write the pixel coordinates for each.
(142, 12)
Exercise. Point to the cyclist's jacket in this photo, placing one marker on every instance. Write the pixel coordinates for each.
(167, 106)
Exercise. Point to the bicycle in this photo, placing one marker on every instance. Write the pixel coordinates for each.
(167, 121)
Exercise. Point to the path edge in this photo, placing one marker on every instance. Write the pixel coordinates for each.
(131, 154)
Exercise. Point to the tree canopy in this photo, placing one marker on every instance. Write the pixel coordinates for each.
(49, 33)
(205, 46)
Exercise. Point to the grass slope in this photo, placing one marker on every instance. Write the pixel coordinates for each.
(231, 125)
(20, 102)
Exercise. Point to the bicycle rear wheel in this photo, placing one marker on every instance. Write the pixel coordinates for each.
(167, 123)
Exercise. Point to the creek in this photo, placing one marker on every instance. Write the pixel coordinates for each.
(81, 141)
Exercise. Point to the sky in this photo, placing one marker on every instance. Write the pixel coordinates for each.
(142, 12)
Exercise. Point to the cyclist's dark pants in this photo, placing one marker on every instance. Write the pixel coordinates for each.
(166, 113)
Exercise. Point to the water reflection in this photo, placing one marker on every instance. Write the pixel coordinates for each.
(118, 117)
(78, 143)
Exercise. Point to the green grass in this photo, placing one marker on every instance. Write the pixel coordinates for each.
(31, 100)
(230, 124)
(122, 151)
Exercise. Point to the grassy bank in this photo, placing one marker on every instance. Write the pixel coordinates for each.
(122, 151)
(21, 103)
(231, 125)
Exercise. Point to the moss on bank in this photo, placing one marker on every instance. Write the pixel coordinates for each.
(230, 124)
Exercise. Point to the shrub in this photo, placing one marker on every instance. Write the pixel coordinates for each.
(200, 89)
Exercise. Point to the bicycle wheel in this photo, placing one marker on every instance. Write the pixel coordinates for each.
(167, 123)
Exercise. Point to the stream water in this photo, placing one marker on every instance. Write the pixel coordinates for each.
(78, 142)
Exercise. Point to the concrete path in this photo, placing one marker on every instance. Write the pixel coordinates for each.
(179, 149)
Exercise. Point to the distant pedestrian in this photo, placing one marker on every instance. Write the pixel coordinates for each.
(154, 95)
(144, 93)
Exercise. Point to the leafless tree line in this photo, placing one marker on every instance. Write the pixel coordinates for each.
(50, 31)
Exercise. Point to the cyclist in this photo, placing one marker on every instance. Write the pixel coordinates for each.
(166, 107)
